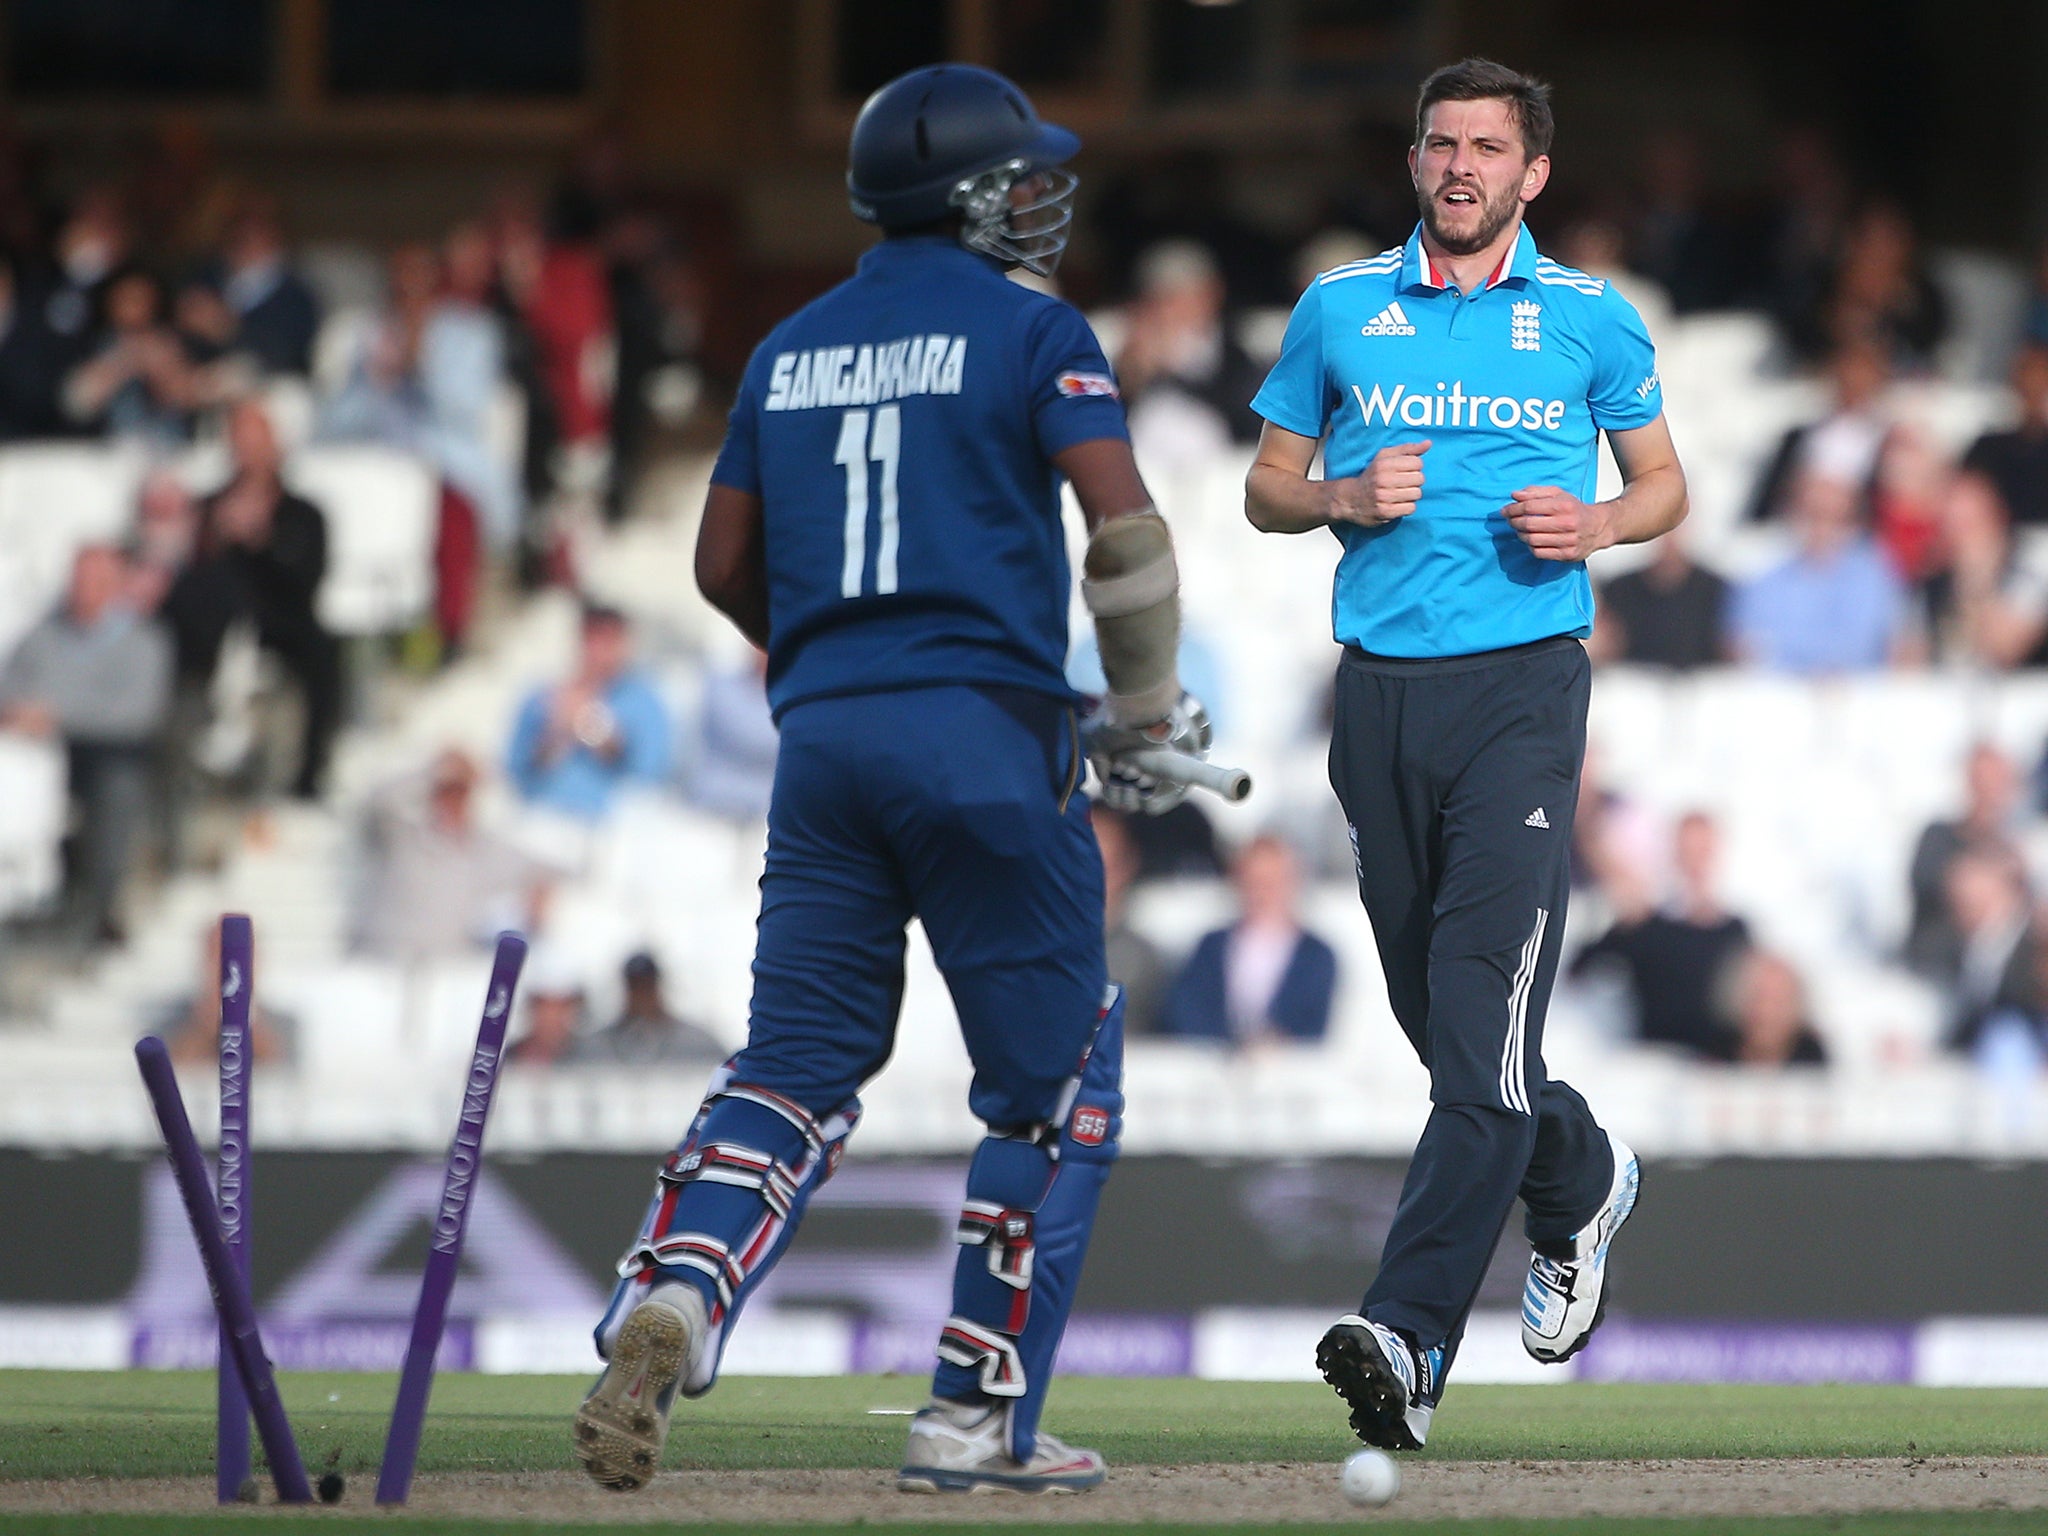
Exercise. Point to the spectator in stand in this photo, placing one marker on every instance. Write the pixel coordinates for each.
(163, 544)
(1187, 382)
(733, 764)
(190, 1027)
(1679, 241)
(2016, 460)
(1670, 613)
(1907, 497)
(1798, 236)
(1366, 191)
(31, 366)
(439, 882)
(554, 1015)
(1674, 960)
(143, 381)
(647, 1032)
(1265, 978)
(1184, 193)
(577, 742)
(1770, 1023)
(165, 539)
(1836, 605)
(565, 300)
(2035, 332)
(1990, 606)
(1997, 960)
(261, 555)
(1135, 963)
(2011, 1046)
(273, 312)
(1329, 248)
(657, 305)
(424, 383)
(1613, 836)
(1597, 246)
(518, 246)
(1180, 845)
(96, 676)
(1989, 824)
(1845, 441)
(92, 245)
(1879, 290)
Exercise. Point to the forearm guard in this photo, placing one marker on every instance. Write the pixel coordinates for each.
(1132, 586)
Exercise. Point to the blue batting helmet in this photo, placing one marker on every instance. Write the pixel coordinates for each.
(954, 138)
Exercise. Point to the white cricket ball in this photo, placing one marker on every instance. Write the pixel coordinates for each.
(1370, 1477)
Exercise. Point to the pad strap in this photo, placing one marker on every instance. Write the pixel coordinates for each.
(742, 1167)
(690, 1250)
(1008, 1235)
(969, 1344)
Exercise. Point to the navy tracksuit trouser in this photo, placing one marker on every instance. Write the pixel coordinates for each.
(1459, 777)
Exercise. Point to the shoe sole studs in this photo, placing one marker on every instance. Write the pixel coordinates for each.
(617, 1440)
(1352, 1364)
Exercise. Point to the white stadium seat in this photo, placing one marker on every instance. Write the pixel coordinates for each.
(382, 511)
(57, 496)
(32, 789)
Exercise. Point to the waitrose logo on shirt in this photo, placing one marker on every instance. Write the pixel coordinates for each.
(1453, 407)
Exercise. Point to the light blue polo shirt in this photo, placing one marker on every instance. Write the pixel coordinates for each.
(1512, 384)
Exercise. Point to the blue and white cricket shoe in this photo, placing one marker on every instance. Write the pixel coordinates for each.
(1391, 1387)
(1565, 1298)
(623, 1422)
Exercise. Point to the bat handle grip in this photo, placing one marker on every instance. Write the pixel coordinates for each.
(1233, 784)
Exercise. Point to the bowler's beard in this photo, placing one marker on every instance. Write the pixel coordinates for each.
(1493, 218)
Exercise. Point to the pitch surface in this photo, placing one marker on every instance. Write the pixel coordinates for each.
(129, 1454)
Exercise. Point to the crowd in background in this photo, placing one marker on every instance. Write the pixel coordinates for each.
(527, 353)
(523, 357)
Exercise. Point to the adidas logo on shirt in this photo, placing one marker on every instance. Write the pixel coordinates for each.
(1536, 818)
(1391, 321)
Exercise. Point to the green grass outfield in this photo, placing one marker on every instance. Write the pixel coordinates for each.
(150, 1423)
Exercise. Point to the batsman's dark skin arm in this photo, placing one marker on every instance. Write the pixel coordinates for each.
(732, 563)
(732, 567)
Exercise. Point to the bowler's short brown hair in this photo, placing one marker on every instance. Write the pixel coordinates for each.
(1527, 97)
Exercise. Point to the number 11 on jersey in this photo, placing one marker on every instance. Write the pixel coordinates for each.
(857, 449)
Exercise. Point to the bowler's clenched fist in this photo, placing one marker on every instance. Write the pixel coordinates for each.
(1556, 525)
(1389, 488)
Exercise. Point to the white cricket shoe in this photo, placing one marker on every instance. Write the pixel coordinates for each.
(1390, 1386)
(1565, 1298)
(623, 1422)
(964, 1448)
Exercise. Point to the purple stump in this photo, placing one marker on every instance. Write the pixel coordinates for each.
(231, 1186)
(444, 1251)
(230, 1290)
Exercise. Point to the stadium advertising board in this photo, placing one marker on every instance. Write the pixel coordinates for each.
(1214, 1268)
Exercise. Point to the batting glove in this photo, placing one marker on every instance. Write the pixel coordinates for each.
(1128, 788)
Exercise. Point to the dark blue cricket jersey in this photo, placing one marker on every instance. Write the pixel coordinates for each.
(899, 432)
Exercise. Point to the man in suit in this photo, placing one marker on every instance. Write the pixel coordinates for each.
(1265, 977)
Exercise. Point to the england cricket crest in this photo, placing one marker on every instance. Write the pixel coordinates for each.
(1525, 330)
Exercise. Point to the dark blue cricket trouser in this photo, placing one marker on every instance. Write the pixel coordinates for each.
(959, 806)
(1459, 777)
